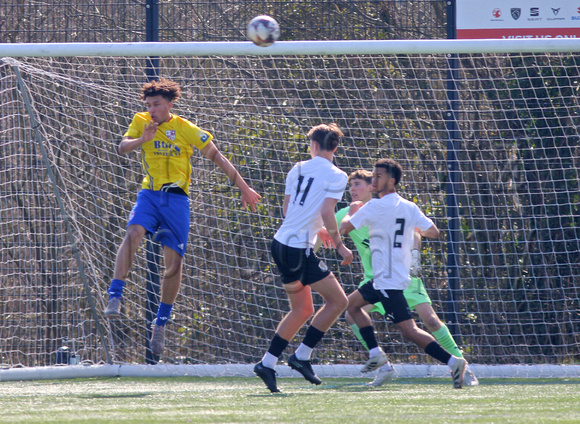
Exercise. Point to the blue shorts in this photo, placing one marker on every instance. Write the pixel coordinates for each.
(165, 215)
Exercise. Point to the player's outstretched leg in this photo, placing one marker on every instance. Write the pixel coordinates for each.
(268, 376)
(304, 368)
(157, 342)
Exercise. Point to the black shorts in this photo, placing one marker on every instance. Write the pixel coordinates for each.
(394, 302)
(298, 264)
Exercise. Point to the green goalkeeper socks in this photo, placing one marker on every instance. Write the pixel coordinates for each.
(442, 335)
(356, 332)
(445, 339)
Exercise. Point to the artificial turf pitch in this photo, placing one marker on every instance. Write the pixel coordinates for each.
(246, 400)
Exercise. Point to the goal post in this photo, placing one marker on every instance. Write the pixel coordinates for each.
(65, 107)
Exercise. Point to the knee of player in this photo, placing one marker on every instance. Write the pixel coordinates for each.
(304, 311)
(409, 331)
(307, 313)
(351, 310)
(433, 323)
(173, 263)
(134, 234)
(342, 303)
(173, 271)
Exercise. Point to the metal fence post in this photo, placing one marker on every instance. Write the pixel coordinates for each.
(453, 140)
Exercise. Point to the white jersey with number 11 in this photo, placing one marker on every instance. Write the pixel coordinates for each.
(308, 183)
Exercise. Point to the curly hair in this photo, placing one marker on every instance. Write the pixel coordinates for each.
(392, 167)
(168, 89)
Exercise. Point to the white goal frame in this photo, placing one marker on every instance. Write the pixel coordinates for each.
(283, 48)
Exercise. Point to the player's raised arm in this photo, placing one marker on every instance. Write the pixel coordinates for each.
(249, 196)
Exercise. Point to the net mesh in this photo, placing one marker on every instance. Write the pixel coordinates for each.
(517, 195)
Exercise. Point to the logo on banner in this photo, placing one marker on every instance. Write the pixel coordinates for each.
(170, 134)
(518, 19)
(556, 11)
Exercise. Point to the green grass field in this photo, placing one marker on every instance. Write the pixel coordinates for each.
(246, 400)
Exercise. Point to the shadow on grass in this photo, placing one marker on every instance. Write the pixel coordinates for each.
(490, 381)
(527, 381)
(263, 395)
(329, 386)
(115, 395)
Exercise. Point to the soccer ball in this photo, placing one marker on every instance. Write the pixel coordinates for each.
(263, 30)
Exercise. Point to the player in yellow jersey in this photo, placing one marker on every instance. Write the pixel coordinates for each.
(166, 142)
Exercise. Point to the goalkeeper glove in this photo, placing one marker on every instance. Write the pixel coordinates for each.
(415, 263)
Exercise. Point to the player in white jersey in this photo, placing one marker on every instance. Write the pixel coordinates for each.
(392, 222)
(313, 188)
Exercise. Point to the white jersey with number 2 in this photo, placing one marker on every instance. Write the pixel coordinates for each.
(392, 221)
(308, 183)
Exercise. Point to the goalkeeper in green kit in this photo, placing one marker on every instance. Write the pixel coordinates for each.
(360, 189)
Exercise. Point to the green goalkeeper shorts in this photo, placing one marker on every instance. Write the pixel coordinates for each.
(415, 294)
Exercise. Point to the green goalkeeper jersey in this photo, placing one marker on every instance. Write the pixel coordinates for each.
(360, 238)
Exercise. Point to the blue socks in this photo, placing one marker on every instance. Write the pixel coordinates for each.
(116, 288)
(163, 314)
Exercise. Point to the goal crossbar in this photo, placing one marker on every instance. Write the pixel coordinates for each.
(282, 48)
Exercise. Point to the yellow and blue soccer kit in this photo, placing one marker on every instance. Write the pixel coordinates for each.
(162, 206)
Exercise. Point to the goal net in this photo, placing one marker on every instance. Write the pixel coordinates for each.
(508, 120)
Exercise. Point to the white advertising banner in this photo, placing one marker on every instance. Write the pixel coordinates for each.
(508, 19)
